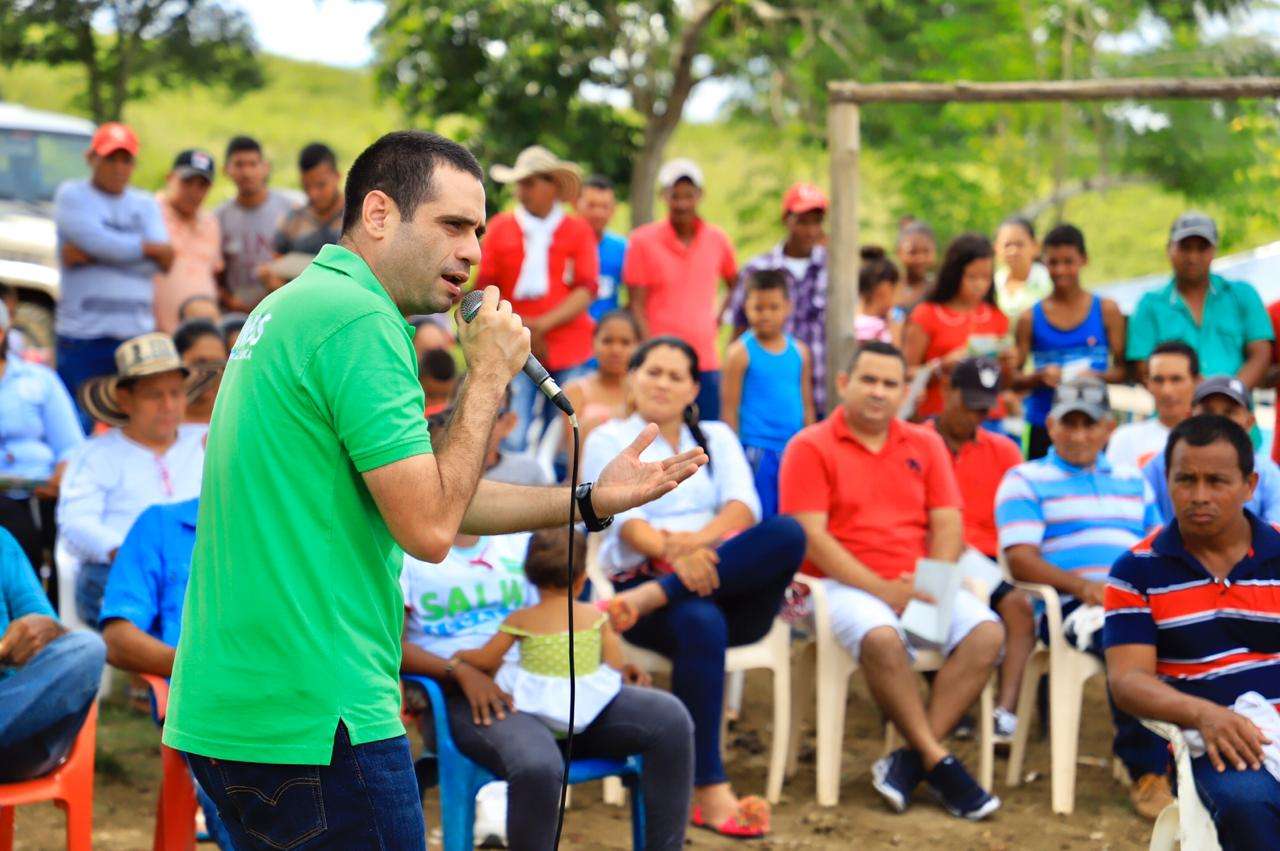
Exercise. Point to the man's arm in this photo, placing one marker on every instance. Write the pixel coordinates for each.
(841, 565)
(131, 649)
(1230, 738)
(736, 361)
(577, 301)
(81, 503)
(637, 301)
(806, 383)
(1026, 564)
(1257, 358)
(1113, 321)
(946, 534)
(77, 224)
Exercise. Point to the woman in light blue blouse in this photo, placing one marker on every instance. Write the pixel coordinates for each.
(696, 566)
(38, 429)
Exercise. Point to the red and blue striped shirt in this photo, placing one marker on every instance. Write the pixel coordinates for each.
(1214, 638)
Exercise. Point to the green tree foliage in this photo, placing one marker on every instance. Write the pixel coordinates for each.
(129, 48)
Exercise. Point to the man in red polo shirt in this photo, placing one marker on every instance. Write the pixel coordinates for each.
(673, 272)
(545, 262)
(875, 494)
(980, 459)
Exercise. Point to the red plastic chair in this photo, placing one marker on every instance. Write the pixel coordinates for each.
(70, 786)
(176, 808)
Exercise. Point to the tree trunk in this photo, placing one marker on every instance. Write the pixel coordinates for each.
(88, 50)
(644, 170)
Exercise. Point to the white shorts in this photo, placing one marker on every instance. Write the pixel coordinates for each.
(855, 612)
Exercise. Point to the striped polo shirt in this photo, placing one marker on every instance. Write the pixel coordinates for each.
(1082, 519)
(1214, 638)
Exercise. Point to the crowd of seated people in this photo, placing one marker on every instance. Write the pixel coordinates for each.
(1155, 533)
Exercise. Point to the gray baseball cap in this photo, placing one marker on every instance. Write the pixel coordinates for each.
(1194, 224)
(1088, 395)
(1224, 385)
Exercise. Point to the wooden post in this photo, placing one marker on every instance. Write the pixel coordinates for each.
(844, 141)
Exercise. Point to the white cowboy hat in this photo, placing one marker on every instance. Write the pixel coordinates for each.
(538, 160)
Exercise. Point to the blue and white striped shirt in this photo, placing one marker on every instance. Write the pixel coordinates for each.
(1081, 519)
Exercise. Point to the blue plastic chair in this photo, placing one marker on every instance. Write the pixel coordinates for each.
(461, 779)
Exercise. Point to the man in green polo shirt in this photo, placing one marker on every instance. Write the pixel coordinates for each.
(319, 474)
(1224, 321)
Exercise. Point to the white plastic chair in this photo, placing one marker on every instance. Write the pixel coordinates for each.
(773, 652)
(548, 446)
(1185, 822)
(833, 669)
(68, 567)
(1069, 669)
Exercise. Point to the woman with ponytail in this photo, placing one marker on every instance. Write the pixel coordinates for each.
(695, 570)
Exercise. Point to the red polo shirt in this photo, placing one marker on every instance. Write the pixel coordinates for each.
(877, 503)
(979, 466)
(682, 282)
(571, 262)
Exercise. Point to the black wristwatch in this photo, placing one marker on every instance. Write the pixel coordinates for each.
(587, 511)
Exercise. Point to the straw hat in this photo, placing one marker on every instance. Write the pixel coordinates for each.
(148, 354)
(538, 160)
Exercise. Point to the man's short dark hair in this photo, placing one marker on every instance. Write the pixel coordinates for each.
(1178, 347)
(598, 181)
(1204, 429)
(240, 144)
(403, 164)
(1066, 235)
(875, 347)
(768, 279)
(317, 153)
(546, 560)
(438, 364)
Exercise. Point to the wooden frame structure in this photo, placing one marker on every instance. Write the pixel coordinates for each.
(844, 143)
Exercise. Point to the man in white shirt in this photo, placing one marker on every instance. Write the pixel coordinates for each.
(1173, 373)
(145, 460)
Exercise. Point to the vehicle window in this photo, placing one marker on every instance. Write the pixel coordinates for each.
(33, 163)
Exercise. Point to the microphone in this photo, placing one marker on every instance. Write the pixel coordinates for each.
(537, 372)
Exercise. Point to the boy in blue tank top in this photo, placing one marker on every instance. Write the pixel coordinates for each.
(1070, 333)
(767, 386)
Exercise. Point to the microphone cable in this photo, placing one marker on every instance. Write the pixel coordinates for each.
(568, 741)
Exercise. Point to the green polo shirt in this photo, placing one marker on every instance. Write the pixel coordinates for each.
(293, 613)
(1233, 317)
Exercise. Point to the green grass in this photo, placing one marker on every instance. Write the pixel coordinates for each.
(748, 166)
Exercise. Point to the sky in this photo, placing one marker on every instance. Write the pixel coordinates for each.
(336, 32)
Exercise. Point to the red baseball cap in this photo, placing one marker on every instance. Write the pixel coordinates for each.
(803, 197)
(111, 137)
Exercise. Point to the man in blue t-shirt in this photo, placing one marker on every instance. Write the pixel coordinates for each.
(142, 604)
(48, 676)
(596, 204)
(111, 243)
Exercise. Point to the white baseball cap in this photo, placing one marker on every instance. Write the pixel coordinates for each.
(673, 171)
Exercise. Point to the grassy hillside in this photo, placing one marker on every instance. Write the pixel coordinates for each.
(748, 166)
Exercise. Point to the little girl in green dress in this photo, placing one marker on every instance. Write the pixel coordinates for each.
(539, 681)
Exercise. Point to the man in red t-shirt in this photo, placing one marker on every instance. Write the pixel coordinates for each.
(544, 262)
(673, 272)
(980, 458)
(874, 495)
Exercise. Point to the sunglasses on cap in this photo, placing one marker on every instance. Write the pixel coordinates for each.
(1089, 394)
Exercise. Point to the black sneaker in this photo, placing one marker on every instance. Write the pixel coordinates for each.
(896, 776)
(956, 790)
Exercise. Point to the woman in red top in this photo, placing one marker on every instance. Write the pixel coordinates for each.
(957, 320)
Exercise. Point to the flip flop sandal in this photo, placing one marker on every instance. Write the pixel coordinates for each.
(751, 821)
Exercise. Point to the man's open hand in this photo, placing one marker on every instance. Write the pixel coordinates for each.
(628, 482)
(1230, 739)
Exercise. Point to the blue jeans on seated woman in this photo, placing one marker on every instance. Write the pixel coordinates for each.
(366, 797)
(1245, 805)
(43, 704)
(694, 632)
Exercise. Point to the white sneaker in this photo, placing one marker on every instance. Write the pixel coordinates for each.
(1006, 724)
(491, 815)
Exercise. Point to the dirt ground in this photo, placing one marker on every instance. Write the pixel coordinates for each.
(128, 775)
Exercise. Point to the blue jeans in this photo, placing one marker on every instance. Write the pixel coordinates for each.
(366, 797)
(528, 404)
(1245, 805)
(765, 464)
(694, 632)
(43, 704)
(1141, 751)
(523, 751)
(91, 582)
(708, 400)
(80, 360)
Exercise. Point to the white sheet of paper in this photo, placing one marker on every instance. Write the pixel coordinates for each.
(1073, 369)
(930, 622)
(915, 391)
(980, 570)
